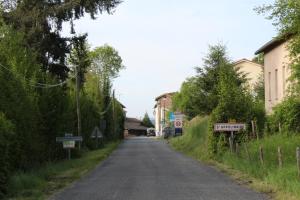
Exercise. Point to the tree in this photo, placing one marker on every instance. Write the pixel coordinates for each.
(106, 64)
(146, 121)
(185, 100)
(209, 76)
(41, 22)
(199, 94)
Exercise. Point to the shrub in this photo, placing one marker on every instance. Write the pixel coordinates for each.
(6, 133)
(287, 114)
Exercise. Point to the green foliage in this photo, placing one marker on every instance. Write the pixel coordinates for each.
(106, 62)
(6, 142)
(41, 22)
(287, 114)
(195, 143)
(185, 100)
(284, 179)
(194, 140)
(259, 59)
(106, 65)
(259, 89)
(80, 59)
(146, 121)
(40, 183)
(234, 103)
(199, 94)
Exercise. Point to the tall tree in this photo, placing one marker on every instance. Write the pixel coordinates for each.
(208, 78)
(146, 121)
(106, 64)
(41, 21)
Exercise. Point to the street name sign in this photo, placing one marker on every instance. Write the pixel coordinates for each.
(224, 127)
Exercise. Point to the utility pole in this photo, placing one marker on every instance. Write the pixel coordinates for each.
(78, 103)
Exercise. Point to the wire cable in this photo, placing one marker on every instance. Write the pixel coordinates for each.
(36, 85)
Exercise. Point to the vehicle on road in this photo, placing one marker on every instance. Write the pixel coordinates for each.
(150, 132)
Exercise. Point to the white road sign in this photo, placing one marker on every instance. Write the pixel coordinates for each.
(219, 127)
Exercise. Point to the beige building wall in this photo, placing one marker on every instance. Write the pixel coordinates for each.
(251, 69)
(276, 74)
(162, 106)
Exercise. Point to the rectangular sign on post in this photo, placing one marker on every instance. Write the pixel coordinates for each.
(223, 127)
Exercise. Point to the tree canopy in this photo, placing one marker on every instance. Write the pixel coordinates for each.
(146, 121)
(41, 22)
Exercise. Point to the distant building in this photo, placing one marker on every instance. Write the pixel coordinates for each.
(276, 71)
(134, 126)
(162, 106)
(252, 71)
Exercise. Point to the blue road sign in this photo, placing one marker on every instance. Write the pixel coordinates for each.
(172, 117)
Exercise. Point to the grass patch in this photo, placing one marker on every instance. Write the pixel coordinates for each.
(193, 142)
(41, 183)
(279, 183)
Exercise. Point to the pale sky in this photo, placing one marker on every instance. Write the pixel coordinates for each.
(161, 42)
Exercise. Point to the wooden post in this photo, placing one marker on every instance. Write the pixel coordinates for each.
(298, 160)
(279, 127)
(279, 158)
(261, 155)
(253, 129)
(256, 130)
(247, 152)
(231, 144)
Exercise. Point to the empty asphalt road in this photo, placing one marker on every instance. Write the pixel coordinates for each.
(147, 169)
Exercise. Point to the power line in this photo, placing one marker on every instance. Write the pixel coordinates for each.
(36, 85)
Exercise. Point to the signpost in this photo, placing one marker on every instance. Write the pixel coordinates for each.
(229, 127)
(68, 142)
(178, 123)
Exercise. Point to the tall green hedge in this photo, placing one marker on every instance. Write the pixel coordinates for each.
(6, 145)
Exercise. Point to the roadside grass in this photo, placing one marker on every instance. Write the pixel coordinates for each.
(193, 142)
(278, 183)
(39, 184)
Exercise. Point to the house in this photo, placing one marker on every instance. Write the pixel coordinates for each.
(162, 106)
(276, 71)
(134, 126)
(250, 69)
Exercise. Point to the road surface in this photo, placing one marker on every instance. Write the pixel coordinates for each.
(147, 169)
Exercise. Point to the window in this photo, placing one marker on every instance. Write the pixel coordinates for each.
(269, 82)
(276, 84)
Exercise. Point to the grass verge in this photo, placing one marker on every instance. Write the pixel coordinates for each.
(278, 183)
(41, 183)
